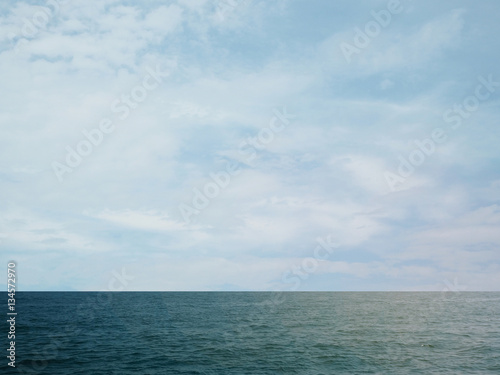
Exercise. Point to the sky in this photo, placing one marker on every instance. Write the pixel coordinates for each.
(250, 145)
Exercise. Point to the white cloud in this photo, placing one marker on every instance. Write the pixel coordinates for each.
(323, 174)
(27, 231)
(395, 50)
(148, 220)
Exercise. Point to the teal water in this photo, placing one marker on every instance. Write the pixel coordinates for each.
(257, 333)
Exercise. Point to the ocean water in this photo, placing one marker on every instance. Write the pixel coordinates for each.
(256, 333)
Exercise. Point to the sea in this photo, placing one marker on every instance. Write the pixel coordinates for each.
(122, 333)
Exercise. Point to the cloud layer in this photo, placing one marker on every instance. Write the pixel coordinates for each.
(211, 145)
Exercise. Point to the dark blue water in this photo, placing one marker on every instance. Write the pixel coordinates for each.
(256, 333)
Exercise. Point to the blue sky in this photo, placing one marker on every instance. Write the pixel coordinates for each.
(388, 154)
